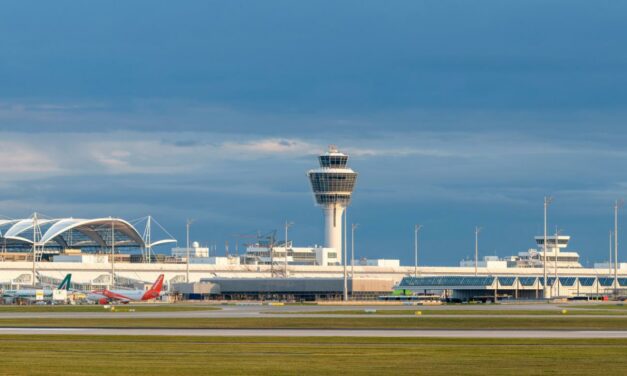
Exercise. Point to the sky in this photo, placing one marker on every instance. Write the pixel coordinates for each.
(455, 114)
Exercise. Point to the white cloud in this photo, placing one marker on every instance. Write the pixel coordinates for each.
(420, 163)
(269, 146)
(22, 158)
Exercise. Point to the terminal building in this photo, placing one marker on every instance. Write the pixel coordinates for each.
(523, 276)
(46, 237)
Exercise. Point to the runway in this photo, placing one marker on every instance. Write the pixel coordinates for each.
(198, 315)
(264, 311)
(389, 333)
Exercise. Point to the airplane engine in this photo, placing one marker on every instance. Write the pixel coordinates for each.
(103, 301)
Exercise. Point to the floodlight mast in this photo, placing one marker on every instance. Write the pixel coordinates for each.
(353, 228)
(609, 263)
(35, 224)
(477, 231)
(617, 205)
(556, 248)
(345, 261)
(547, 201)
(287, 226)
(148, 242)
(417, 229)
(112, 252)
(187, 225)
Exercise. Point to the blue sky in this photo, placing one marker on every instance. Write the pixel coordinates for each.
(455, 114)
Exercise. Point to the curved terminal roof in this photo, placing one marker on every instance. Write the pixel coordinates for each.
(75, 233)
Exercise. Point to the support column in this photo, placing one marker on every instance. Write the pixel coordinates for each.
(333, 227)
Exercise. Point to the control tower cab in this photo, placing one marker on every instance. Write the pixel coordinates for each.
(554, 252)
(332, 184)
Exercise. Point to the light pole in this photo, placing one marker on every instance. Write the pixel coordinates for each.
(287, 226)
(417, 229)
(345, 292)
(353, 227)
(187, 225)
(556, 247)
(609, 263)
(35, 226)
(477, 231)
(112, 253)
(617, 204)
(547, 201)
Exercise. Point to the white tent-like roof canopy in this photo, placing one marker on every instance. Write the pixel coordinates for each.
(75, 233)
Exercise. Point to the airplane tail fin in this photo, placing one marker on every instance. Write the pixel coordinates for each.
(155, 290)
(65, 284)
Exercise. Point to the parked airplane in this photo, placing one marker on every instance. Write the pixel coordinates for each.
(43, 294)
(105, 296)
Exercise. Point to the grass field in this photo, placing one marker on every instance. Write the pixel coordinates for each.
(77, 355)
(454, 322)
(462, 312)
(99, 308)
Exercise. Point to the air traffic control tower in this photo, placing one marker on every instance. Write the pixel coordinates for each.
(333, 185)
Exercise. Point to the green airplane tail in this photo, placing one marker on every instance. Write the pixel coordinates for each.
(65, 284)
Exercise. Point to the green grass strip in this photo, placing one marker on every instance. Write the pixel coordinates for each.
(104, 355)
(455, 322)
(99, 308)
(461, 312)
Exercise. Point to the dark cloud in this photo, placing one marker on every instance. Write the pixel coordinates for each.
(349, 57)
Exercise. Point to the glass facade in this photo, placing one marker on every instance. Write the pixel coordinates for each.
(550, 241)
(527, 281)
(507, 281)
(446, 281)
(333, 161)
(334, 182)
(567, 281)
(332, 187)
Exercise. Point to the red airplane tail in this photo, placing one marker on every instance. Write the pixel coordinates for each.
(155, 290)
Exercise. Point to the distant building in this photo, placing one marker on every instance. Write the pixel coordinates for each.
(389, 263)
(216, 260)
(263, 254)
(534, 258)
(610, 267)
(488, 262)
(195, 251)
(554, 254)
(83, 258)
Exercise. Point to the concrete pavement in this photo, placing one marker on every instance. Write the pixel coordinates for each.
(389, 333)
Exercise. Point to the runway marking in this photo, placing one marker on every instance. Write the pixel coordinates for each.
(564, 334)
(40, 329)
